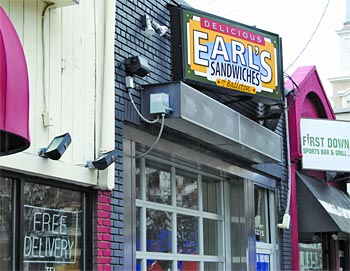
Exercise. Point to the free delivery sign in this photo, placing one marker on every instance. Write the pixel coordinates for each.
(325, 144)
(230, 56)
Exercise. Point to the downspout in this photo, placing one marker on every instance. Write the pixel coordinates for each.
(106, 177)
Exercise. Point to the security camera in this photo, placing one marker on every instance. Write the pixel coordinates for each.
(104, 161)
(137, 65)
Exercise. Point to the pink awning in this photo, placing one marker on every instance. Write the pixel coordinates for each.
(14, 91)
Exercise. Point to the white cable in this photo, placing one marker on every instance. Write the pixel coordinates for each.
(43, 42)
(138, 112)
(157, 139)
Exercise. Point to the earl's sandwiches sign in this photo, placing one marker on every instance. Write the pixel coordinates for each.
(225, 56)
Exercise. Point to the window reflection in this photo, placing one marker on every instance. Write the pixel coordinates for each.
(187, 266)
(187, 234)
(158, 265)
(186, 190)
(158, 225)
(158, 183)
(169, 187)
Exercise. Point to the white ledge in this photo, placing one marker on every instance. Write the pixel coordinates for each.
(43, 167)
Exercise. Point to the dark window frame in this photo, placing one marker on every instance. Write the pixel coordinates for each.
(88, 197)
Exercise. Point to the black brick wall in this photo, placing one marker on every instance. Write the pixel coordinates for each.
(130, 40)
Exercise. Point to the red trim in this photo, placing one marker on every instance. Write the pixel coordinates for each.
(310, 101)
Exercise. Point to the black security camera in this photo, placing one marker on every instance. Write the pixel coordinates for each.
(104, 161)
(137, 65)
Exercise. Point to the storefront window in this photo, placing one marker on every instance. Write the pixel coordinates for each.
(186, 190)
(158, 265)
(260, 200)
(310, 256)
(187, 234)
(6, 224)
(211, 229)
(52, 228)
(158, 183)
(158, 231)
(190, 217)
(41, 226)
(238, 226)
(170, 218)
(211, 202)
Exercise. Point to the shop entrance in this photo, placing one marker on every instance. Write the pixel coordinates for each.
(184, 215)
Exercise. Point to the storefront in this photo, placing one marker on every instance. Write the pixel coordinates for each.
(320, 207)
(55, 211)
(194, 211)
(201, 179)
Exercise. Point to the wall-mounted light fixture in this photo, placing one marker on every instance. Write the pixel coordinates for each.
(151, 26)
(137, 65)
(104, 161)
(57, 147)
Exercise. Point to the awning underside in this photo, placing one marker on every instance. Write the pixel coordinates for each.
(321, 207)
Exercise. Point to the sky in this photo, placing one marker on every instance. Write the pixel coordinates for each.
(300, 23)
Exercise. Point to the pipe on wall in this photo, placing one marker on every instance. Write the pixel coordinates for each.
(106, 177)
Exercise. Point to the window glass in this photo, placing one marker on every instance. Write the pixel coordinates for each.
(260, 200)
(158, 183)
(211, 236)
(310, 256)
(138, 229)
(5, 223)
(138, 179)
(186, 190)
(170, 218)
(208, 266)
(239, 234)
(52, 228)
(158, 265)
(187, 234)
(211, 192)
(187, 266)
(158, 231)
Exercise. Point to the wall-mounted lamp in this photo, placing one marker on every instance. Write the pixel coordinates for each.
(57, 147)
(151, 26)
(147, 25)
(104, 161)
(137, 65)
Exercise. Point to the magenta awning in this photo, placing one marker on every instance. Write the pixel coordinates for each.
(14, 90)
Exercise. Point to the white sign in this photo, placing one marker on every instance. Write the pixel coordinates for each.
(50, 235)
(325, 144)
